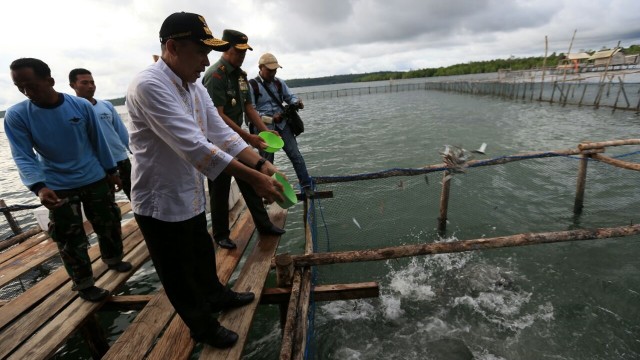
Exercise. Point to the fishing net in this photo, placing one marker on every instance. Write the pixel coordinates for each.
(533, 194)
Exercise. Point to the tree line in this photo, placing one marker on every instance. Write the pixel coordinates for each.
(473, 67)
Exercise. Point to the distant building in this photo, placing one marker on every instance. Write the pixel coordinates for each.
(612, 57)
(574, 62)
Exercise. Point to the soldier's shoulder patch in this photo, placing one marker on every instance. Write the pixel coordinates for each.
(216, 75)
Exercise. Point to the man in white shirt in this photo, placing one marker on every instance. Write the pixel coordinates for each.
(172, 117)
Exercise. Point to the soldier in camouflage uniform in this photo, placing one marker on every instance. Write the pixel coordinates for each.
(228, 87)
(58, 146)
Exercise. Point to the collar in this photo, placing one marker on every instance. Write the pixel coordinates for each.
(164, 68)
(228, 68)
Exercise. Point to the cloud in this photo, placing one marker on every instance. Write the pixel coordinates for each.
(116, 38)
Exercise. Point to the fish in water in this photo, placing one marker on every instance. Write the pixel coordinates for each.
(356, 222)
(401, 184)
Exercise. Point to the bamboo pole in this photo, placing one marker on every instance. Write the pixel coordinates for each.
(440, 167)
(544, 64)
(624, 92)
(584, 90)
(581, 183)
(444, 202)
(396, 252)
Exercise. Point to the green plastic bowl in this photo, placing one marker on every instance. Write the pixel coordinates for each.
(274, 142)
(289, 195)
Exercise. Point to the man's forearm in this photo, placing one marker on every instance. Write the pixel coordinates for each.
(255, 118)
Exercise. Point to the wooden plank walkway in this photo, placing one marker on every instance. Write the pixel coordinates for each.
(37, 250)
(43, 317)
(139, 339)
(39, 321)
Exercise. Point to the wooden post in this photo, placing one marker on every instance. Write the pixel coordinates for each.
(12, 222)
(284, 276)
(284, 270)
(444, 202)
(95, 337)
(289, 328)
(581, 183)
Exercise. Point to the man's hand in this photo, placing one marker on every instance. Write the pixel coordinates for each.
(256, 141)
(300, 105)
(269, 169)
(277, 118)
(115, 184)
(268, 188)
(49, 199)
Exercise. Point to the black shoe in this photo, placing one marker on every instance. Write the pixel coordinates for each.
(226, 243)
(93, 294)
(234, 299)
(272, 230)
(222, 338)
(122, 266)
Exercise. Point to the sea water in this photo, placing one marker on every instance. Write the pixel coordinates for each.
(563, 301)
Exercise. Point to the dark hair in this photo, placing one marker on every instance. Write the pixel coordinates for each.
(75, 72)
(40, 68)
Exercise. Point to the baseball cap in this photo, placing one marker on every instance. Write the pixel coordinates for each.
(236, 39)
(270, 61)
(184, 25)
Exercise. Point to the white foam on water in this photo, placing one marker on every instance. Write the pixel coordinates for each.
(349, 310)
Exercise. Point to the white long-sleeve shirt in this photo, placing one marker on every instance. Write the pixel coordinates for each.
(168, 136)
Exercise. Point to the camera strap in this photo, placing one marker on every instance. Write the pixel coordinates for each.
(270, 93)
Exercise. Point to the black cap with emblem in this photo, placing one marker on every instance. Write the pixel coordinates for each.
(183, 25)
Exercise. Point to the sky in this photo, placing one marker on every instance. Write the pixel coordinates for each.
(115, 39)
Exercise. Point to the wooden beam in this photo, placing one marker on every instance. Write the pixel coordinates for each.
(13, 224)
(464, 245)
(316, 195)
(601, 144)
(325, 292)
(615, 162)
(20, 237)
(148, 325)
(300, 343)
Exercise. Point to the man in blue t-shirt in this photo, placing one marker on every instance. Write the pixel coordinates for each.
(81, 81)
(63, 157)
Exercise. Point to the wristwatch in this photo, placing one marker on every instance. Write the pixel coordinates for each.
(260, 163)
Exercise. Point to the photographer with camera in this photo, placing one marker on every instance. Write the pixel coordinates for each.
(268, 95)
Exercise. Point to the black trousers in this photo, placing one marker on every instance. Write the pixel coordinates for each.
(219, 196)
(185, 260)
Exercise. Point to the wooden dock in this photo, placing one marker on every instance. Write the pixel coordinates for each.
(36, 323)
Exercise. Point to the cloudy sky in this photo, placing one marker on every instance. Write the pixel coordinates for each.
(115, 39)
